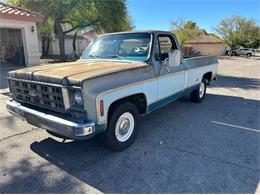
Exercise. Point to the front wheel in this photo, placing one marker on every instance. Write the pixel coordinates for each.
(122, 127)
(198, 94)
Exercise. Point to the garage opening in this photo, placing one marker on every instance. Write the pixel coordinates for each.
(11, 47)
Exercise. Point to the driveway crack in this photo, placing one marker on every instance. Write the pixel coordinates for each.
(5, 117)
(8, 137)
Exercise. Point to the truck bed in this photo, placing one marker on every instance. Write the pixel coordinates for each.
(194, 62)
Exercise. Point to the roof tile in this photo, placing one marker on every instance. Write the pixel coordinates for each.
(8, 11)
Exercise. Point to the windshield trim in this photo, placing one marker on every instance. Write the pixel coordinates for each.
(121, 60)
(113, 60)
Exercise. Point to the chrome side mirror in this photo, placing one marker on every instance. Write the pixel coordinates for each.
(166, 61)
(174, 58)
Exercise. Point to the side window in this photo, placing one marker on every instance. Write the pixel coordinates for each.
(163, 45)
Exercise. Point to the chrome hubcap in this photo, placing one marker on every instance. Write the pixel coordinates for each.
(202, 89)
(124, 127)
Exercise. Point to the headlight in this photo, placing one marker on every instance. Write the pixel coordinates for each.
(78, 98)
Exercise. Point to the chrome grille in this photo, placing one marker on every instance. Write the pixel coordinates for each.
(39, 94)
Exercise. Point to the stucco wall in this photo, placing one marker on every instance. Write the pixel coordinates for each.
(81, 44)
(30, 39)
(209, 49)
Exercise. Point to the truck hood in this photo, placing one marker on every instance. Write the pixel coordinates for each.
(73, 72)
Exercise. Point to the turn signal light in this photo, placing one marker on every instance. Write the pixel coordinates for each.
(101, 108)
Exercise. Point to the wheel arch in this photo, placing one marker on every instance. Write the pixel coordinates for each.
(208, 76)
(138, 99)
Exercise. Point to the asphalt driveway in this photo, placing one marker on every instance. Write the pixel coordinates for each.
(211, 147)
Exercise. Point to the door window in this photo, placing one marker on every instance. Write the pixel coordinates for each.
(163, 45)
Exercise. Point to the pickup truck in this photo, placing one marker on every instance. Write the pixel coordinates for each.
(119, 78)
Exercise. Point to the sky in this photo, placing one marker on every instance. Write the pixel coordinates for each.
(157, 14)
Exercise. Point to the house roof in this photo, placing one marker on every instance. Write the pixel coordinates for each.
(89, 35)
(203, 38)
(11, 12)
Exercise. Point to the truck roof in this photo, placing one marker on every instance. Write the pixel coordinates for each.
(138, 31)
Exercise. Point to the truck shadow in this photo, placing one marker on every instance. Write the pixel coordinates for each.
(236, 82)
(212, 147)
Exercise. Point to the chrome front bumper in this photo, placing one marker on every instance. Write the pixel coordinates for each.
(57, 125)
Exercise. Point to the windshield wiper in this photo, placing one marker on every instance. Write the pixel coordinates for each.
(117, 56)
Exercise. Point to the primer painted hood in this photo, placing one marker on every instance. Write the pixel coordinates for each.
(73, 72)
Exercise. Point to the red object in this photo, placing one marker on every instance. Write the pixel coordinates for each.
(101, 107)
(11, 12)
(8, 56)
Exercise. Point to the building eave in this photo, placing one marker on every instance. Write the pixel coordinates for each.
(10, 12)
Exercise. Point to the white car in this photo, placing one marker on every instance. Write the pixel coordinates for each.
(243, 51)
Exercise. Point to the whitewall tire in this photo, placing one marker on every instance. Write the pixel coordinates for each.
(122, 126)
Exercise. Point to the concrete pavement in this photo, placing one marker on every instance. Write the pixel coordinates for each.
(212, 147)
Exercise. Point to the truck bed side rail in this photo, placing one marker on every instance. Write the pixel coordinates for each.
(200, 61)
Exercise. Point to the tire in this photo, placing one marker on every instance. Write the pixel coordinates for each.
(198, 94)
(248, 55)
(122, 126)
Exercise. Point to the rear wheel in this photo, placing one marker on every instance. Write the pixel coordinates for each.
(198, 94)
(248, 55)
(122, 126)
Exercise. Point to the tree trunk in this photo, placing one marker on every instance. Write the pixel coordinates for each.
(74, 45)
(45, 46)
(74, 42)
(60, 34)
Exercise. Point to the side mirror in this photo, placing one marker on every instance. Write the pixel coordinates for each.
(166, 61)
(174, 57)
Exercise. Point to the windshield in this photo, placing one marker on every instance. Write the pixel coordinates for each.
(132, 46)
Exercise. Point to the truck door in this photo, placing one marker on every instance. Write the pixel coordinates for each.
(171, 80)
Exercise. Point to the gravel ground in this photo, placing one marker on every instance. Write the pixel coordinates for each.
(212, 147)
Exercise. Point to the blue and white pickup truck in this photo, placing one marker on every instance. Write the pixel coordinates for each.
(119, 78)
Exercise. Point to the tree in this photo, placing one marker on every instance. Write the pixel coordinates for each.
(106, 16)
(185, 30)
(65, 15)
(45, 32)
(190, 25)
(238, 31)
(76, 15)
(45, 28)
